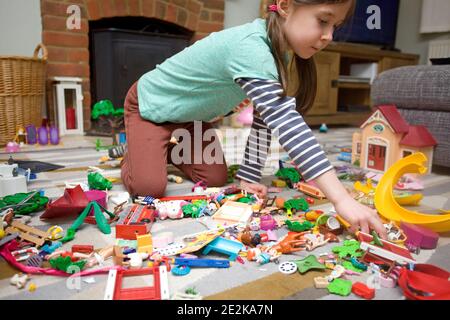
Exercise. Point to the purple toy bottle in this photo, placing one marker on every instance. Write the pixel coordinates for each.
(54, 135)
(43, 135)
(31, 134)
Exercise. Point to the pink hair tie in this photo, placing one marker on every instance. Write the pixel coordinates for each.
(273, 8)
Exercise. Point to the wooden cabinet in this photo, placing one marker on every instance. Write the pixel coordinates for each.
(327, 64)
(346, 102)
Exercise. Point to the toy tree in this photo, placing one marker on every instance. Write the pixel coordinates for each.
(105, 111)
(297, 204)
(290, 175)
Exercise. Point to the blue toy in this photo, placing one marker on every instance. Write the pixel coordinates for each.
(204, 263)
(46, 249)
(345, 156)
(225, 246)
(180, 270)
(323, 128)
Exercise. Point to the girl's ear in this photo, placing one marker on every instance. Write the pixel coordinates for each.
(283, 7)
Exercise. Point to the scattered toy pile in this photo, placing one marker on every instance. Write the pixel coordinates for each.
(240, 226)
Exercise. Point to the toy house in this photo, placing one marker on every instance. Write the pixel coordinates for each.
(385, 137)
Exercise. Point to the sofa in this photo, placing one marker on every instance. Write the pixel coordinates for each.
(422, 96)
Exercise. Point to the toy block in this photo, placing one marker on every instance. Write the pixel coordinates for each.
(321, 282)
(144, 244)
(420, 236)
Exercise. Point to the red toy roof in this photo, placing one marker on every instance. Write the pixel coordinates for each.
(418, 136)
(394, 118)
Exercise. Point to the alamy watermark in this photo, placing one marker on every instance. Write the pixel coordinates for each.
(374, 20)
(73, 21)
(200, 146)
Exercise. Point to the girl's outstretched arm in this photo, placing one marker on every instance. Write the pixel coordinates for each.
(279, 114)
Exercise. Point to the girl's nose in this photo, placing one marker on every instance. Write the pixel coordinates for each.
(328, 36)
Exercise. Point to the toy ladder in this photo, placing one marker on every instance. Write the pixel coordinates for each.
(28, 233)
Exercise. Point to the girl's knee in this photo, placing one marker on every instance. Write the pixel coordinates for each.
(144, 186)
(216, 176)
(149, 188)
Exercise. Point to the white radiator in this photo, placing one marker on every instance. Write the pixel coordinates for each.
(438, 49)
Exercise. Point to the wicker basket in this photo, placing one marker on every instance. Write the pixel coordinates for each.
(22, 91)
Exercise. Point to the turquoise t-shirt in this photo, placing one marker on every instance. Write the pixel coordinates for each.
(199, 82)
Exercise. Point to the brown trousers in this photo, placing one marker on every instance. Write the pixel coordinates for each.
(144, 167)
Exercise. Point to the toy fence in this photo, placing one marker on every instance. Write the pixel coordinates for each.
(22, 91)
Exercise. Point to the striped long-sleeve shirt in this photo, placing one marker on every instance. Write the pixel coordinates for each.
(275, 113)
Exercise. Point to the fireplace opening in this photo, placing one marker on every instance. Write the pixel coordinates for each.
(122, 49)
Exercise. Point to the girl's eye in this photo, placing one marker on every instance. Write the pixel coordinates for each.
(323, 22)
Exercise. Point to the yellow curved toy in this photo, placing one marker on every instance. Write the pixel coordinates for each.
(409, 200)
(388, 207)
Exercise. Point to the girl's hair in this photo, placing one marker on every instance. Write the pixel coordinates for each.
(305, 93)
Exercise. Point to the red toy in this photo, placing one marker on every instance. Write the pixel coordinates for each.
(159, 291)
(135, 220)
(73, 202)
(388, 251)
(426, 282)
(362, 290)
(87, 249)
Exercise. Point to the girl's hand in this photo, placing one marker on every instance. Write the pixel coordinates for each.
(360, 216)
(255, 188)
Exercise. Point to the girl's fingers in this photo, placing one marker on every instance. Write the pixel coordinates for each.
(379, 228)
(364, 226)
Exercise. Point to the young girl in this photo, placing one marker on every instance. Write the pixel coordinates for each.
(209, 78)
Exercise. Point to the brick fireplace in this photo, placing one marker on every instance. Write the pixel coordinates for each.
(68, 50)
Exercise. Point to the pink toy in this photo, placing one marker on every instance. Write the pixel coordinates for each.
(97, 196)
(267, 223)
(246, 116)
(409, 182)
(200, 184)
(12, 147)
(420, 236)
(169, 209)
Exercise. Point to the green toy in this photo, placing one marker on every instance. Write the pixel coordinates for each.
(246, 200)
(350, 248)
(340, 287)
(194, 209)
(297, 204)
(65, 264)
(24, 203)
(231, 172)
(288, 174)
(106, 108)
(105, 111)
(100, 219)
(297, 226)
(98, 182)
(308, 263)
(376, 240)
(349, 266)
(358, 265)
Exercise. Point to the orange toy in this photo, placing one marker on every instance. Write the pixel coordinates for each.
(292, 242)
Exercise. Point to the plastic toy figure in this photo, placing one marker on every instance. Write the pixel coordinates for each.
(169, 209)
(21, 136)
(292, 242)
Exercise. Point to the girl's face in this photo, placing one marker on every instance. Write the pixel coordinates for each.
(309, 28)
